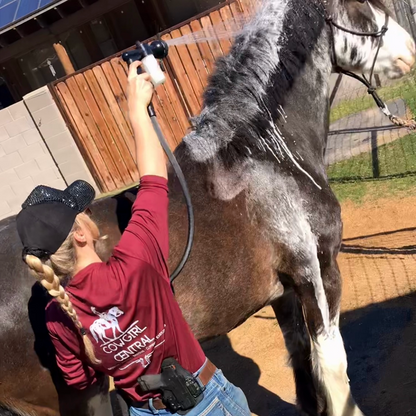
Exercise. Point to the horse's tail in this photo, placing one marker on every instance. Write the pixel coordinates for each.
(19, 408)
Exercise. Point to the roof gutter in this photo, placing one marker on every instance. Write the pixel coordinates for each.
(31, 16)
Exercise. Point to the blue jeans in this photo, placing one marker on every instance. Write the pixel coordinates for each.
(221, 398)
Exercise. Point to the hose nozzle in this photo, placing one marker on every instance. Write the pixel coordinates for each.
(148, 54)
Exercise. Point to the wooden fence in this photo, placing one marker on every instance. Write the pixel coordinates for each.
(94, 106)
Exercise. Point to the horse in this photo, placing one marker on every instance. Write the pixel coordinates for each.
(268, 226)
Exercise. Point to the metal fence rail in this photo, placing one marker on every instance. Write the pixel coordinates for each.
(363, 144)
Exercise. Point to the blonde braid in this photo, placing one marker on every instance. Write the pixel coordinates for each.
(50, 281)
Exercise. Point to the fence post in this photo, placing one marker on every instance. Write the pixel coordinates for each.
(374, 154)
(405, 12)
(335, 89)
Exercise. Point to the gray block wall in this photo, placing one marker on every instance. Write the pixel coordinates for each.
(36, 148)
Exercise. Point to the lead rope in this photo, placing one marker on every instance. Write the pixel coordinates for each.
(396, 120)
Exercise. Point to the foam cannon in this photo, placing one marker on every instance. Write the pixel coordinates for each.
(148, 54)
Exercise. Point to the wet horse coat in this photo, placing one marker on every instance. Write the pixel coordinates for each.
(268, 227)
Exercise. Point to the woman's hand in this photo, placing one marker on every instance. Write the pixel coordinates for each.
(150, 158)
(139, 91)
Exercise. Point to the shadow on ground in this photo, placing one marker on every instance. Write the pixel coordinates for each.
(245, 373)
(380, 341)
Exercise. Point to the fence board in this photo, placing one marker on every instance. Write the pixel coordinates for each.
(177, 102)
(114, 95)
(182, 77)
(170, 115)
(238, 12)
(242, 5)
(114, 159)
(218, 23)
(213, 44)
(86, 140)
(189, 67)
(69, 120)
(229, 22)
(204, 48)
(196, 57)
(119, 89)
(98, 83)
(94, 132)
(162, 118)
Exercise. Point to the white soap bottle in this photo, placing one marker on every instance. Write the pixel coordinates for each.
(152, 67)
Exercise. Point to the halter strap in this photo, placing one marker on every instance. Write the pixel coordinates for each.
(377, 34)
(411, 124)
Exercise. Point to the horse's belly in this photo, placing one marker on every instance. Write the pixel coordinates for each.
(231, 272)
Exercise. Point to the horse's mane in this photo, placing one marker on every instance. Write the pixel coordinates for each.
(246, 93)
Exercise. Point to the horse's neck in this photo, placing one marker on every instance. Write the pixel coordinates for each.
(296, 103)
(307, 104)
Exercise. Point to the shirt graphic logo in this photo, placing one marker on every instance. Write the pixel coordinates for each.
(107, 320)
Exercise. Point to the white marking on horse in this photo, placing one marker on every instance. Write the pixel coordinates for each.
(396, 55)
(330, 365)
(280, 143)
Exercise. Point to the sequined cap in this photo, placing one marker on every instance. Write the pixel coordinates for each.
(48, 215)
(77, 196)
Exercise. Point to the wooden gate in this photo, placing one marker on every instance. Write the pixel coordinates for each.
(94, 105)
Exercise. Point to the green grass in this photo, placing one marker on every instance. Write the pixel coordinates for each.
(367, 191)
(395, 158)
(405, 89)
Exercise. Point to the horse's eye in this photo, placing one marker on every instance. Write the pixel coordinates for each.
(362, 1)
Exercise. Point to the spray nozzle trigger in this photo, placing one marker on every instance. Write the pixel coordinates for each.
(148, 54)
(158, 48)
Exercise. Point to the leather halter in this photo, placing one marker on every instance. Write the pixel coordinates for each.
(363, 79)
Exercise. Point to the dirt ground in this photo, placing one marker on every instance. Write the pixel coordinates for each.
(378, 321)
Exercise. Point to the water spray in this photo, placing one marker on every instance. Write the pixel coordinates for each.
(148, 54)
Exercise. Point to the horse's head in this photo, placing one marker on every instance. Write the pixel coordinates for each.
(360, 40)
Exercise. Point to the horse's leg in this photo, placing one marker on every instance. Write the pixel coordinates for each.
(319, 291)
(91, 401)
(288, 311)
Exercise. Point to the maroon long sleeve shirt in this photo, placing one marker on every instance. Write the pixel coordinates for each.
(127, 305)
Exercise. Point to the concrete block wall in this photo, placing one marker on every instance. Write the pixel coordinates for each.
(36, 148)
(57, 137)
(24, 159)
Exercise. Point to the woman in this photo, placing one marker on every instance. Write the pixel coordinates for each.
(119, 317)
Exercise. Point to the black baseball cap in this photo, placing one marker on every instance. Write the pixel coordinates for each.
(48, 214)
